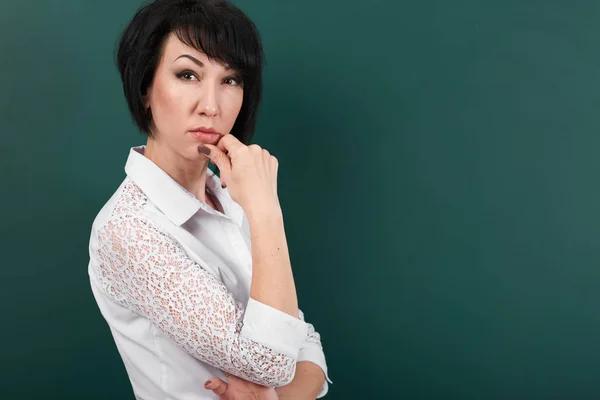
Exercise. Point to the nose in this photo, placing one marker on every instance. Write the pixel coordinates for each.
(208, 100)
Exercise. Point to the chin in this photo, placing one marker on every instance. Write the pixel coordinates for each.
(189, 152)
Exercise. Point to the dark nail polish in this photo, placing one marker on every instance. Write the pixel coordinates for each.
(204, 150)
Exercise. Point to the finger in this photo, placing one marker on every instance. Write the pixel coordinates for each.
(221, 160)
(275, 164)
(255, 147)
(216, 385)
(267, 157)
(231, 145)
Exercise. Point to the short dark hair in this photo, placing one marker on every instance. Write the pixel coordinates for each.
(216, 27)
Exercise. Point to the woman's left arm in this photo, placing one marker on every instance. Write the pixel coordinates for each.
(307, 384)
(310, 380)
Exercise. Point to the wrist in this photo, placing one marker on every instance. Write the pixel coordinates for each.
(263, 212)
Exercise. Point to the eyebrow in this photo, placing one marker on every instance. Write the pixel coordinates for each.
(198, 62)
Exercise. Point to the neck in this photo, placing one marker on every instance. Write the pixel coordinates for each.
(189, 173)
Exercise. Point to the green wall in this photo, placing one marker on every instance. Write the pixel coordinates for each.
(438, 165)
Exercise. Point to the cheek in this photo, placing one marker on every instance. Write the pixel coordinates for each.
(166, 101)
(233, 106)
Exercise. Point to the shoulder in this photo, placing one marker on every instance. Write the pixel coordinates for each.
(122, 222)
(129, 219)
(130, 200)
(127, 201)
(127, 241)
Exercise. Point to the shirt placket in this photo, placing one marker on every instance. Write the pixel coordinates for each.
(234, 235)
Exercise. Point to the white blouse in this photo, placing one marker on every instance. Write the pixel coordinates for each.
(171, 277)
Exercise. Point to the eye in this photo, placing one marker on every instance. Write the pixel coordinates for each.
(187, 76)
(233, 81)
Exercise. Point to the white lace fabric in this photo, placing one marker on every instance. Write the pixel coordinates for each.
(148, 272)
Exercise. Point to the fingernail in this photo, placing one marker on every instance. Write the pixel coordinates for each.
(204, 150)
(207, 383)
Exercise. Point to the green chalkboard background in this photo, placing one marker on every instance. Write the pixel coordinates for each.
(438, 175)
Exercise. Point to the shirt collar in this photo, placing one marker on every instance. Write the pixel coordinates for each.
(178, 204)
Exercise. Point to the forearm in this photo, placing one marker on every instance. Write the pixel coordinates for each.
(272, 278)
(307, 383)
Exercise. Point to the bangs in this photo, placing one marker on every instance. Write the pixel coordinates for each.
(222, 40)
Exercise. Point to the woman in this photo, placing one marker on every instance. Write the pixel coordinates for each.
(192, 271)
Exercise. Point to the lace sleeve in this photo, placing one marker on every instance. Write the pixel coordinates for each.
(149, 272)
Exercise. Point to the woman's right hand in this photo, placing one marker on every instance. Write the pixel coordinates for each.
(239, 389)
(249, 172)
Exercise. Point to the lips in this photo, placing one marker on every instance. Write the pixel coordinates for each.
(205, 135)
(203, 130)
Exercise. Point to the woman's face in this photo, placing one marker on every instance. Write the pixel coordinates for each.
(190, 93)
